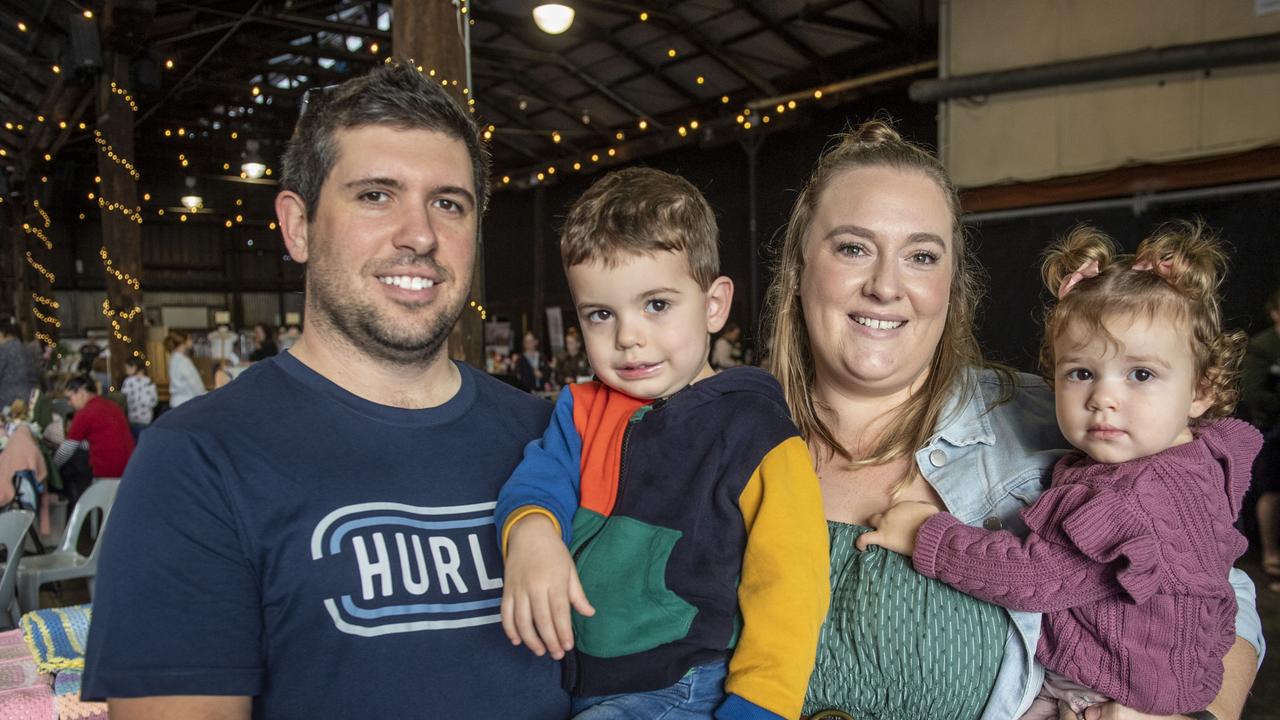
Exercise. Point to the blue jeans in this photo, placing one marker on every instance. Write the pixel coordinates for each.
(695, 697)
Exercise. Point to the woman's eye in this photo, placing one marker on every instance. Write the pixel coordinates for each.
(851, 249)
(657, 306)
(1141, 375)
(1079, 374)
(924, 258)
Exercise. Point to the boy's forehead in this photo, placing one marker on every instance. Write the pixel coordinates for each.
(659, 264)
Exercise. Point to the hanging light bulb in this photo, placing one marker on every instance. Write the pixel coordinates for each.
(191, 200)
(552, 18)
(252, 165)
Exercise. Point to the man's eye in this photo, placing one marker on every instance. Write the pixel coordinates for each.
(449, 205)
(1141, 375)
(376, 196)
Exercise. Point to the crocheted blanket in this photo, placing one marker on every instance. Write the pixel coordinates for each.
(56, 637)
(24, 692)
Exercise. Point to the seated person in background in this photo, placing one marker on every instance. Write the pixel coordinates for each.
(98, 426)
(571, 364)
(708, 577)
(726, 351)
(139, 392)
(264, 343)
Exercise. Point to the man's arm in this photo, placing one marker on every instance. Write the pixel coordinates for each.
(180, 707)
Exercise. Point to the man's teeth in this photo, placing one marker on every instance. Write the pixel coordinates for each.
(879, 324)
(407, 283)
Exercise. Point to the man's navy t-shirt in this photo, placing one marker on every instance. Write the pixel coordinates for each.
(332, 557)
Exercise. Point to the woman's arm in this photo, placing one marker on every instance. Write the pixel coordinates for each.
(1240, 666)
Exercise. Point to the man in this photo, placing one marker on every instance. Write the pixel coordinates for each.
(98, 425)
(316, 539)
(16, 373)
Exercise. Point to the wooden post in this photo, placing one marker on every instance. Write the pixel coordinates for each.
(121, 251)
(430, 33)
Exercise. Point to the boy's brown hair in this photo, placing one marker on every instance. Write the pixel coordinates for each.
(638, 211)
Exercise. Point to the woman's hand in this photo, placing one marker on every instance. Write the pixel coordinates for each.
(539, 587)
(895, 528)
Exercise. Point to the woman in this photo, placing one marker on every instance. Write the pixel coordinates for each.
(871, 331)
(184, 380)
(264, 344)
(529, 367)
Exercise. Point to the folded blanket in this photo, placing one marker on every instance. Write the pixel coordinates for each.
(56, 636)
(24, 692)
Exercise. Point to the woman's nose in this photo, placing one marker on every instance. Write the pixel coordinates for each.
(884, 283)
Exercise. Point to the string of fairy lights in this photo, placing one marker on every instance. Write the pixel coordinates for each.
(749, 115)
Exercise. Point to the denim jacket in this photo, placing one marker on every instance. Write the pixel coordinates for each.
(989, 460)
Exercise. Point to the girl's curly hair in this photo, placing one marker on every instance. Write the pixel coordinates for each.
(1173, 277)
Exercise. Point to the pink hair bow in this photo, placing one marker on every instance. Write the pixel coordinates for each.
(1087, 270)
(1163, 268)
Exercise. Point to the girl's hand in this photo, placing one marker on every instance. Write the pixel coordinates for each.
(540, 585)
(895, 528)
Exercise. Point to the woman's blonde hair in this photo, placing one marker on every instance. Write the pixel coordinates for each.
(1174, 276)
(872, 144)
(175, 339)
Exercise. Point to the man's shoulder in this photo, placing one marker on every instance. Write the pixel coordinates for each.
(260, 392)
(497, 396)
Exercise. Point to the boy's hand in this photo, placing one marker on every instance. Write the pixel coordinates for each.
(895, 528)
(540, 585)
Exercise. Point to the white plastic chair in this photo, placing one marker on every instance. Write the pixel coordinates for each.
(66, 562)
(13, 533)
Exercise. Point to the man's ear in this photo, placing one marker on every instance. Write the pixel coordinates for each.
(291, 211)
(719, 300)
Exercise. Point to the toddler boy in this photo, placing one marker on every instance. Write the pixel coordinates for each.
(681, 502)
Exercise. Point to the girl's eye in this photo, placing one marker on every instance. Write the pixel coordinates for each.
(596, 316)
(1141, 375)
(657, 306)
(1079, 374)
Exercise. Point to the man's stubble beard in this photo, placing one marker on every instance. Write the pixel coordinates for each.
(358, 321)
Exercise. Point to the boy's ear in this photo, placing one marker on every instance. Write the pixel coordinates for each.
(719, 300)
(291, 211)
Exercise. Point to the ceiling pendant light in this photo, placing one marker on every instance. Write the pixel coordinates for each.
(252, 165)
(553, 18)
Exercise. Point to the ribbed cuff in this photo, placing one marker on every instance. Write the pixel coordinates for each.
(929, 540)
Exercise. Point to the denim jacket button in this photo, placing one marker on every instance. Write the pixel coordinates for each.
(992, 523)
(938, 458)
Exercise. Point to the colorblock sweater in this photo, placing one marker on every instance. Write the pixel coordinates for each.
(697, 528)
(1129, 563)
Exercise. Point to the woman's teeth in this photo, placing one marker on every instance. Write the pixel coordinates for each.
(879, 324)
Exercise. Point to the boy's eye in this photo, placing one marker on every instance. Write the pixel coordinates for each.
(596, 316)
(656, 306)
(1141, 375)
(1079, 374)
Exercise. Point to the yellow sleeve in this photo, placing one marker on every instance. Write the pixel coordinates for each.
(519, 514)
(785, 586)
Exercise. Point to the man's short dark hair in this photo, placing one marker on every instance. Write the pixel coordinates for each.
(394, 94)
(82, 382)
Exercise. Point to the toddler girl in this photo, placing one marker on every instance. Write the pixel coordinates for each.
(1128, 552)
